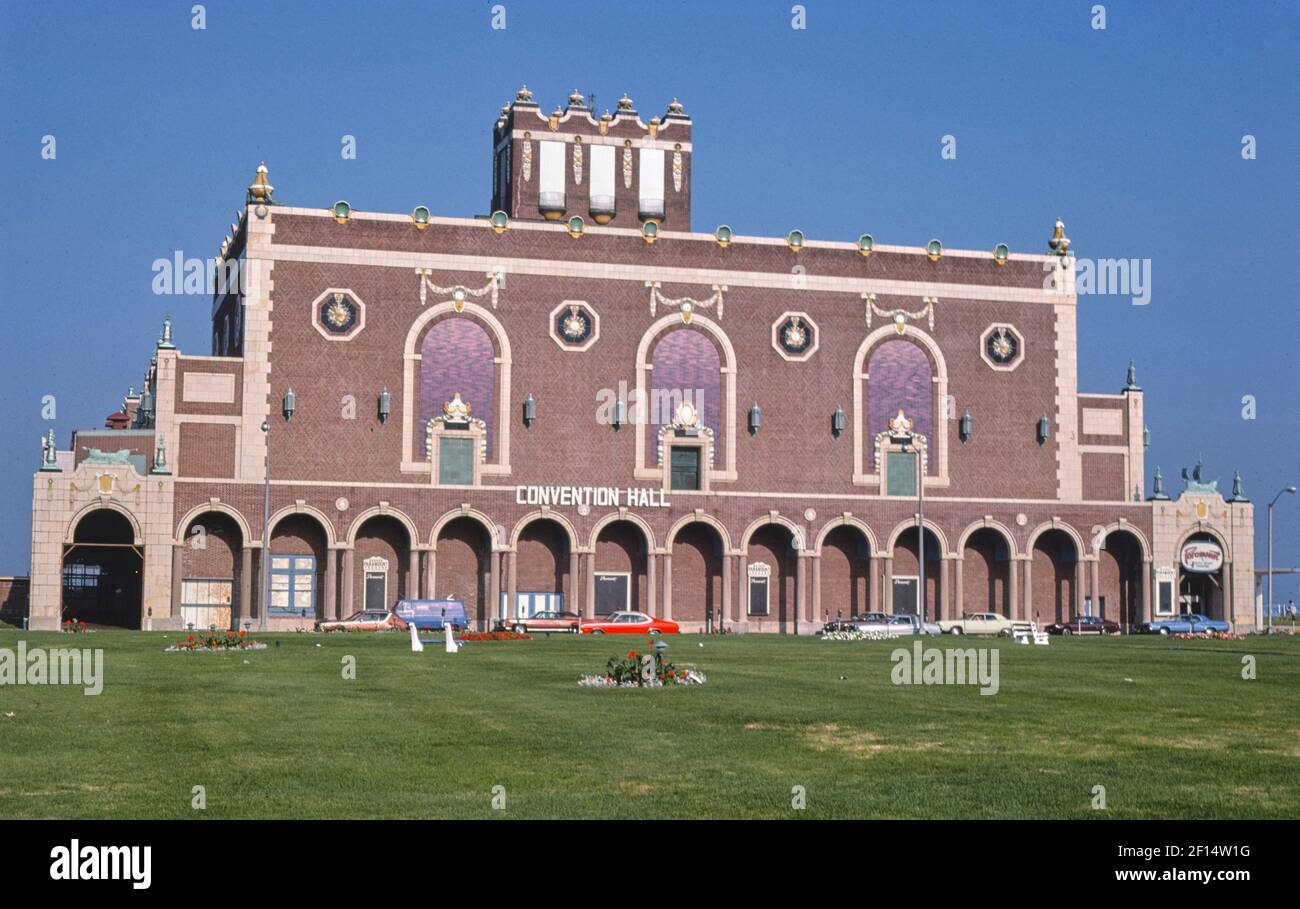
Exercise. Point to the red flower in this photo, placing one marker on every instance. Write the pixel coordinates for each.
(631, 654)
(243, 634)
(191, 637)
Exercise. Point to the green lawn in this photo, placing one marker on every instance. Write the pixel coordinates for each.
(1168, 727)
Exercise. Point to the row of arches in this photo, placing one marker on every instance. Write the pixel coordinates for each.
(770, 578)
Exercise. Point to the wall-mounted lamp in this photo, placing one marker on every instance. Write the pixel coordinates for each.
(341, 211)
(1146, 437)
(964, 427)
(575, 227)
(420, 216)
(289, 404)
(1044, 429)
(723, 236)
(530, 410)
(755, 419)
(934, 249)
(500, 221)
(1001, 253)
(837, 422)
(620, 414)
(795, 240)
(650, 231)
(385, 402)
(866, 244)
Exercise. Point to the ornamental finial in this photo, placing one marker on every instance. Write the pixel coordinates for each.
(1060, 243)
(260, 190)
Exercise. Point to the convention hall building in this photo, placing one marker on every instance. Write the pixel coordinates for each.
(578, 402)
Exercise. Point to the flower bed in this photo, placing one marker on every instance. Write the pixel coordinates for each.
(493, 636)
(872, 635)
(211, 642)
(642, 671)
(1208, 636)
(75, 626)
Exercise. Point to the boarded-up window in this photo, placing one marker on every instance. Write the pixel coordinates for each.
(602, 178)
(686, 468)
(455, 461)
(901, 480)
(652, 181)
(293, 585)
(551, 186)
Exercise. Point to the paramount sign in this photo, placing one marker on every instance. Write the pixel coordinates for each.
(1202, 557)
(600, 496)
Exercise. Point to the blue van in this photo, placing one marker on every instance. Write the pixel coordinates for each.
(431, 615)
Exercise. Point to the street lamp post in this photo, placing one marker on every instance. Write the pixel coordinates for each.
(1269, 605)
(266, 530)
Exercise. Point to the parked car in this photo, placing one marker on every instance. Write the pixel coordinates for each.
(366, 620)
(1187, 623)
(628, 623)
(432, 615)
(982, 623)
(903, 624)
(547, 622)
(871, 621)
(1084, 624)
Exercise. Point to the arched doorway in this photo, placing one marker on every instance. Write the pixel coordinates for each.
(381, 564)
(542, 580)
(1201, 591)
(463, 559)
(620, 569)
(297, 572)
(211, 571)
(771, 554)
(986, 573)
(845, 574)
(697, 561)
(1053, 593)
(904, 595)
(1119, 580)
(102, 572)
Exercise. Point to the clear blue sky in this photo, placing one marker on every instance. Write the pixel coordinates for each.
(1132, 135)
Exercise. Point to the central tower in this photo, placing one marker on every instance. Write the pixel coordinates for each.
(615, 169)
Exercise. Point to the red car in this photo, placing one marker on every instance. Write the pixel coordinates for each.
(629, 623)
(547, 622)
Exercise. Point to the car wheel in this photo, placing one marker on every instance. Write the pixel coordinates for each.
(655, 632)
(1066, 632)
(597, 631)
(1164, 632)
(955, 631)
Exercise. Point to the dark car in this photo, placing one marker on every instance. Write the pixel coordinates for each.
(547, 622)
(1084, 624)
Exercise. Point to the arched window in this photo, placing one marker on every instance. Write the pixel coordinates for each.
(685, 367)
(900, 378)
(457, 357)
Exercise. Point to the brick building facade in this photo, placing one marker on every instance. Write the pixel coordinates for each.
(578, 401)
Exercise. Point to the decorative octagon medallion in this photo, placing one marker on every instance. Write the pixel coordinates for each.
(338, 314)
(574, 325)
(1002, 347)
(795, 336)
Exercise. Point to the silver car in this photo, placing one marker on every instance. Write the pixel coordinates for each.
(905, 623)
